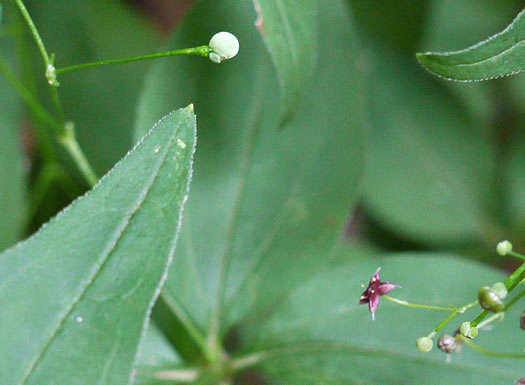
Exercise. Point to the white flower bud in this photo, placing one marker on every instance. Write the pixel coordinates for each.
(51, 75)
(424, 344)
(503, 248)
(500, 290)
(224, 45)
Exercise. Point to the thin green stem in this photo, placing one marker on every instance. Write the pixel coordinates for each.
(198, 51)
(188, 323)
(28, 97)
(66, 137)
(514, 300)
(515, 278)
(491, 319)
(184, 375)
(516, 255)
(69, 141)
(419, 306)
(452, 316)
(34, 31)
(488, 352)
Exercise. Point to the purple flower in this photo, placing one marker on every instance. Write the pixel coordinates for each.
(375, 289)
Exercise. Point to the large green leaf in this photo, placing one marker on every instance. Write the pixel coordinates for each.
(267, 204)
(80, 31)
(289, 29)
(12, 175)
(430, 169)
(74, 298)
(500, 55)
(320, 335)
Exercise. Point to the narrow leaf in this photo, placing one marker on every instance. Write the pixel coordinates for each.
(289, 29)
(74, 298)
(500, 55)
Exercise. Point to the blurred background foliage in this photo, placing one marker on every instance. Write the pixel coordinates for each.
(444, 168)
(463, 195)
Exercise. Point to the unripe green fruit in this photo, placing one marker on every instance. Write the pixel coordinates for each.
(489, 300)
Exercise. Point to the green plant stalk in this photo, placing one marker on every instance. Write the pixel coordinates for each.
(30, 100)
(39, 111)
(185, 375)
(419, 306)
(491, 319)
(27, 82)
(488, 352)
(34, 31)
(514, 300)
(196, 51)
(70, 143)
(451, 317)
(516, 255)
(66, 138)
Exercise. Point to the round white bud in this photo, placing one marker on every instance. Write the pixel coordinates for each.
(503, 248)
(424, 344)
(224, 45)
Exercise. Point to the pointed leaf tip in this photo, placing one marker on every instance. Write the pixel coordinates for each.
(499, 56)
(80, 290)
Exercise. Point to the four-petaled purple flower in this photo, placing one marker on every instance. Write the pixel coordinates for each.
(375, 289)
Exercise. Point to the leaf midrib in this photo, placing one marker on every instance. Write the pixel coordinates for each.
(107, 254)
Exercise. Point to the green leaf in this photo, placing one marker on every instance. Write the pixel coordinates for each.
(12, 173)
(83, 31)
(275, 201)
(74, 298)
(320, 335)
(500, 55)
(430, 169)
(289, 29)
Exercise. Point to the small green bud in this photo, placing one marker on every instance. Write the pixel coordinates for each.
(51, 75)
(468, 331)
(489, 300)
(503, 248)
(500, 290)
(424, 344)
